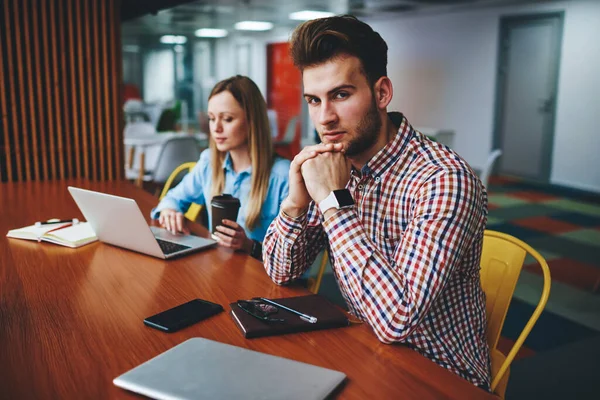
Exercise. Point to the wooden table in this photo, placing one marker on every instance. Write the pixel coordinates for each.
(71, 319)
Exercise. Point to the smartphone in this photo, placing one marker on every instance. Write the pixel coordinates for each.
(183, 315)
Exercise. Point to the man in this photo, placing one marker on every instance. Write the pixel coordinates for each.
(402, 216)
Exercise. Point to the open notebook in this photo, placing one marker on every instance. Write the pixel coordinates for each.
(65, 234)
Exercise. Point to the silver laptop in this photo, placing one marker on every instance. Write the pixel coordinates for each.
(204, 369)
(120, 222)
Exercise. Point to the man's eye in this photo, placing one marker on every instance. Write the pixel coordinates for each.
(341, 95)
(312, 100)
(229, 119)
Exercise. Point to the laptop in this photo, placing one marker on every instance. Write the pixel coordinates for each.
(204, 369)
(120, 222)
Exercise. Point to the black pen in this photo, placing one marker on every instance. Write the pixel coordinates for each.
(57, 221)
(304, 317)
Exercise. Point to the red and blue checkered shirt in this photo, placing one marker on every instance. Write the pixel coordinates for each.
(406, 256)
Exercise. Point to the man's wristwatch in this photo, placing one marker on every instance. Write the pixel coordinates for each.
(256, 250)
(337, 199)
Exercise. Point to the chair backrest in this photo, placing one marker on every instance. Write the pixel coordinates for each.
(290, 131)
(289, 145)
(138, 128)
(315, 283)
(133, 105)
(502, 258)
(489, 166)
(174, 152)
(194, 209)
(272, 114)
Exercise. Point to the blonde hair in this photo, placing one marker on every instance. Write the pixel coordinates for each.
(262, 155)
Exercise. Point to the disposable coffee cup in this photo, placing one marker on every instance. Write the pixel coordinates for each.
(223, 207)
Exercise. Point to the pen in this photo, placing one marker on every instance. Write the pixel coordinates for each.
(57, 221)
(305, 317)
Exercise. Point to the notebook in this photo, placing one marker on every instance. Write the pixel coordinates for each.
(204, 369)
(328, 316)
(64, 234)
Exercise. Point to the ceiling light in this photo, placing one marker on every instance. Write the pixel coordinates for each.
(253, 26)
(306, 15)
(214, 33)
(173, 39)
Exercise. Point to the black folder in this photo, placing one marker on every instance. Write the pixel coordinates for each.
(328, 316)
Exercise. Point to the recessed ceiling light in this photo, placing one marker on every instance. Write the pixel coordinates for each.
(173, 39)
(306, 15)
(253, 26)
(214, 33)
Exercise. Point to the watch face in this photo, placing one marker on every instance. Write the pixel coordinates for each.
(344, 198)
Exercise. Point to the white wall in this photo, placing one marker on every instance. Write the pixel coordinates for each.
(225, 54)
(577, 141)
(443, 68)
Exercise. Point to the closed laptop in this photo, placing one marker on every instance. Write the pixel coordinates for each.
(204, 369)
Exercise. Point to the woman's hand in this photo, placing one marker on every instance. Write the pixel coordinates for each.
(173, 221)
(233, 236)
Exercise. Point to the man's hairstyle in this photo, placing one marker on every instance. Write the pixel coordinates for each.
(320, 40)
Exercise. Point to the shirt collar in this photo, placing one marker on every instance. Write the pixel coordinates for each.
(391, 152)
(228, 166)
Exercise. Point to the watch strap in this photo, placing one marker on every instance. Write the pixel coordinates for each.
(328, 202)
(256, 250)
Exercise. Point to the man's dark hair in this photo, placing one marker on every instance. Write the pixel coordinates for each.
(320, 40)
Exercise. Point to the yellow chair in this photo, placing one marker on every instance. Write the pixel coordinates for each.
(315, 283)
(194, 209)
(502, 258)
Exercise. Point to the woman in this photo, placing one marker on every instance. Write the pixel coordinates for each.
(240, 161)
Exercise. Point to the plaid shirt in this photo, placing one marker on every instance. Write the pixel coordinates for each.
(406, 256)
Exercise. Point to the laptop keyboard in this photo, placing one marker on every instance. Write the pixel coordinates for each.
(170, 247)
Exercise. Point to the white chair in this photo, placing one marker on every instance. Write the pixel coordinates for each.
(489, 165)
(133, 105)
(139, 129)
(289, 145)
(290, 132)
(173, 152)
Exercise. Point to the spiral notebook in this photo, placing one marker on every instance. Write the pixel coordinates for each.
(328, 316)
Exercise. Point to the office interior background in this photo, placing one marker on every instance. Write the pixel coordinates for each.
(452, 63)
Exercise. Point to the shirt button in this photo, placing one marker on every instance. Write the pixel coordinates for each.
(296, 230)
(377, 179)
(360, 187)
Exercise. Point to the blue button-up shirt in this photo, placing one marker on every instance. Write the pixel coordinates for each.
(196, 188)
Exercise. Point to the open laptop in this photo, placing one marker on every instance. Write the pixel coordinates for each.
(204, 369)
(120, 222)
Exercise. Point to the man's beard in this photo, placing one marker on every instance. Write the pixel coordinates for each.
(367, 132)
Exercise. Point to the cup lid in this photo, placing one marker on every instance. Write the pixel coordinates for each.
(225, 199)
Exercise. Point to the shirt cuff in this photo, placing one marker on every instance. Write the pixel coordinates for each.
(290, 227)
(165, 203)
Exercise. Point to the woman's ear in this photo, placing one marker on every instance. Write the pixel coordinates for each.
(384, 92)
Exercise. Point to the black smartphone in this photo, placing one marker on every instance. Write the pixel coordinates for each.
(183, 315)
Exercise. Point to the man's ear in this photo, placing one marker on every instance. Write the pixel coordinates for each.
(384, 92)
